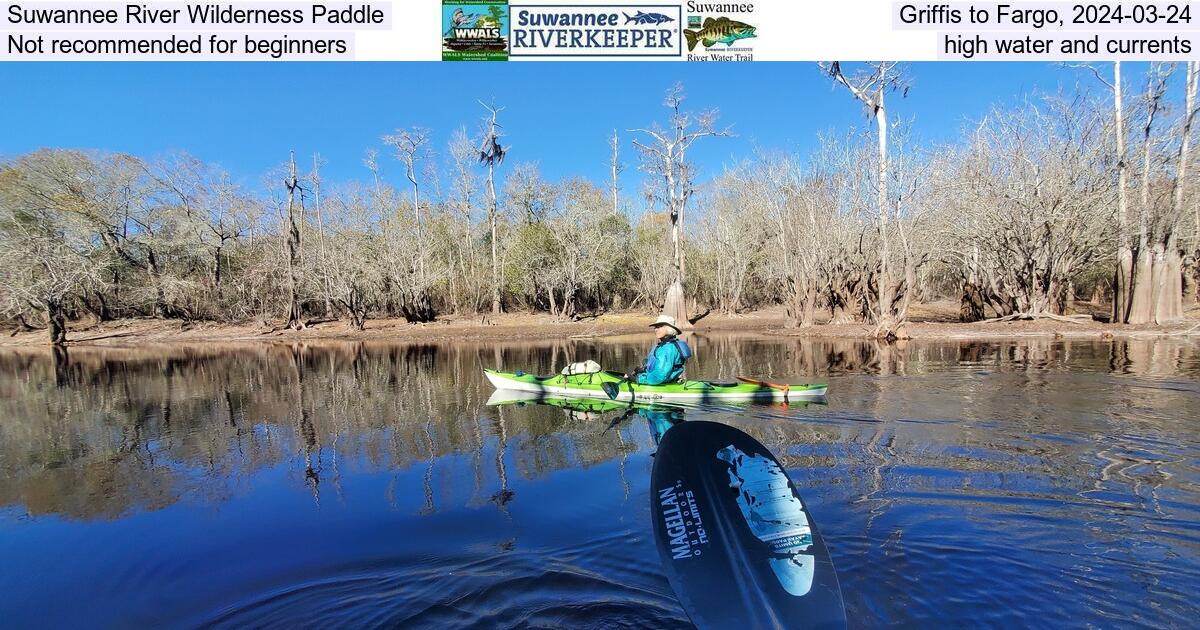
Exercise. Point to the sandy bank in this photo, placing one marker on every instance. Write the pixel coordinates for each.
(932, 321)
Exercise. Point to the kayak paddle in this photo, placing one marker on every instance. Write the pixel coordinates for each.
(612, 390)
(736, 540)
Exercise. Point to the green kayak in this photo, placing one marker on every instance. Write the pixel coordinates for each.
(591, 385)
(503, 397)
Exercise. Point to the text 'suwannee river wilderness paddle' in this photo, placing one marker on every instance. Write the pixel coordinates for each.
(736, 540)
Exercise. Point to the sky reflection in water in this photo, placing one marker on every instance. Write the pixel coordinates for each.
(1035, 482)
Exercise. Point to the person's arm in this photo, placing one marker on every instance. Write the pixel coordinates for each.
(646, 366)
(665, 357)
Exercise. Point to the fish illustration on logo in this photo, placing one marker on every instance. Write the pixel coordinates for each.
(461, 20)
(720, 30)
(775, 516)
(647, 18)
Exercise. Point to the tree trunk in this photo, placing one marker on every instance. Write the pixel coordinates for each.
(1168, 285)
(971, 308)
(808, 305)
(1169, 305)
(355, 308)
(358, 319)
(99, 309)
(675, 305)
(1121, 281)
(1146, 283)
(294, 319)
(492, 224)
(325, 284)
(801, 304)
(886, 322)
(1141, 291)
(57, 320)
(1193, 284)
(1124, 271)
(841, 299)
(160, 298)
(793, 307)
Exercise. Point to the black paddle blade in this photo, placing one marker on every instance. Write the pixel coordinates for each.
(611, 389)
(736, 540)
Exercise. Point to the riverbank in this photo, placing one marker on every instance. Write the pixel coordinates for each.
(928, 321)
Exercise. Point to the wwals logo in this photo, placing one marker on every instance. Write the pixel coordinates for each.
(474, 30)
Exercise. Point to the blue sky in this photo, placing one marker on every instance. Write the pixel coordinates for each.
(247, 116)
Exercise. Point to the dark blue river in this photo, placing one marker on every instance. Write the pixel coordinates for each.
(1030, 483)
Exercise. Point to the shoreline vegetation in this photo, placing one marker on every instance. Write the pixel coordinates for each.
(1041, 218)
(935, 321)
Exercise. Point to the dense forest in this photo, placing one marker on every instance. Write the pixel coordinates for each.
(1081, 196)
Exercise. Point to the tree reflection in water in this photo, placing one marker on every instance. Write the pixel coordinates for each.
(1081, 454)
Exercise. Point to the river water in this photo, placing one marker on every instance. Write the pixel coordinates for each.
(1031, 483)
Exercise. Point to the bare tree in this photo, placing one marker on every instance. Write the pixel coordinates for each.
(1017, 216)
(464, 281)
(492, 153)
(323, 255)
(1025, 207)
(1150, 227)
(730, 241)
(664, 156)
(1167, 265)
(1181, 178)
(588, 241)
(294, 317)
(527, 197)
(412, 146)
(355, 271)
(871, 87)
(47, 258)
(1123, 273)
(615, 168)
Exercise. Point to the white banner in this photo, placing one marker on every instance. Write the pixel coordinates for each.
(763, 30)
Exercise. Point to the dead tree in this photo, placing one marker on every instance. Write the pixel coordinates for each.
(664, 155)
(492, 153)
(294, 319)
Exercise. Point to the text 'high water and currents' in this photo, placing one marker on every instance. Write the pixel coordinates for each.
(1055, 30)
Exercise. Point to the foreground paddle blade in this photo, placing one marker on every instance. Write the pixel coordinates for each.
(735, 538)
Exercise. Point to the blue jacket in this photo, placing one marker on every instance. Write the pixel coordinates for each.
(663, 365)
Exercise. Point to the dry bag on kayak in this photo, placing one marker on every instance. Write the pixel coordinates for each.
(583, 367)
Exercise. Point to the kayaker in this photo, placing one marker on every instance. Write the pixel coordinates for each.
(665, 362)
